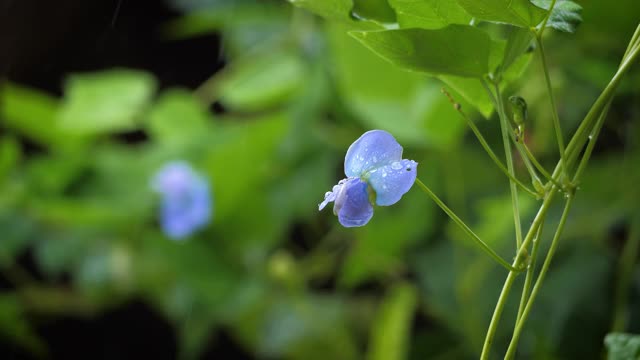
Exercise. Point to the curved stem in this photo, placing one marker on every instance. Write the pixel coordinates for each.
(486, 248)
(486, 146)
(504, 126)
(543, 271)
(554, 109)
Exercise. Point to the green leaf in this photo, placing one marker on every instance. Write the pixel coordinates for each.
(392, 324)
(264, 81)
(455, 50)
(429, 14)
(105, 101)
(10, 154)
(518, 41)
(516, 12)
(622, 346)
(30, 113)
(405, 103)
(565, 16)
(177, 118)
(472, 91)
(375, 10)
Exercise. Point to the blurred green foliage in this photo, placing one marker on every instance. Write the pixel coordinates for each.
(285, 280)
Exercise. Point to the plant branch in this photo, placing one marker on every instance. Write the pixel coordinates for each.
(486, 248)
(504, 127)
(543, 271)
(486, 146)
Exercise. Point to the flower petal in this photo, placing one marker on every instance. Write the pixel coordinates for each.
(352, 204)
(392, 181)
(373, 149)
(331, 196)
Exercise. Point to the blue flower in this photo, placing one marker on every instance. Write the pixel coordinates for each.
(376, 174)
(186, 202)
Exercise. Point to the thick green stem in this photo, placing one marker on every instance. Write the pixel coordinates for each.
(505, 128)
(554, 109)
(486, 248)
(543, 271)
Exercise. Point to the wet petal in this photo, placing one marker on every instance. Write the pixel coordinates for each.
(330, 196)
(352, 204)
(392, 181)
(373, 149)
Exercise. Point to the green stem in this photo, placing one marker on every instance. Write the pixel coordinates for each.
(546, 18)
(486, 248)
(543, 271)
(572, 152)
(554, 109)
(539, 166)
(530, 271)
(504, 126)
(525, 159)
(488, 149)
(520, 258)
(625, 270)
(582, 133)
(495, 318)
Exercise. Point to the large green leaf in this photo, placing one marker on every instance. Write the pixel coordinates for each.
(178, 118)
(565, 15)
(376, 10)
(402, 102)
(622, 346)
(518, 42)
(455, 50)
(30, 113)
(105, 101)
(517, 12)
(429, 14)
(472, 91)
(262, 82)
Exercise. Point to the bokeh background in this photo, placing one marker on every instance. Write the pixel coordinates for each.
(263, 99)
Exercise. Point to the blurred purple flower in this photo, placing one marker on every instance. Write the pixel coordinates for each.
(186, 201)
(376, 174)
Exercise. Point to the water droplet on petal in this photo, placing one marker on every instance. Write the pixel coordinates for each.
(375, 159)
(396, 165)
